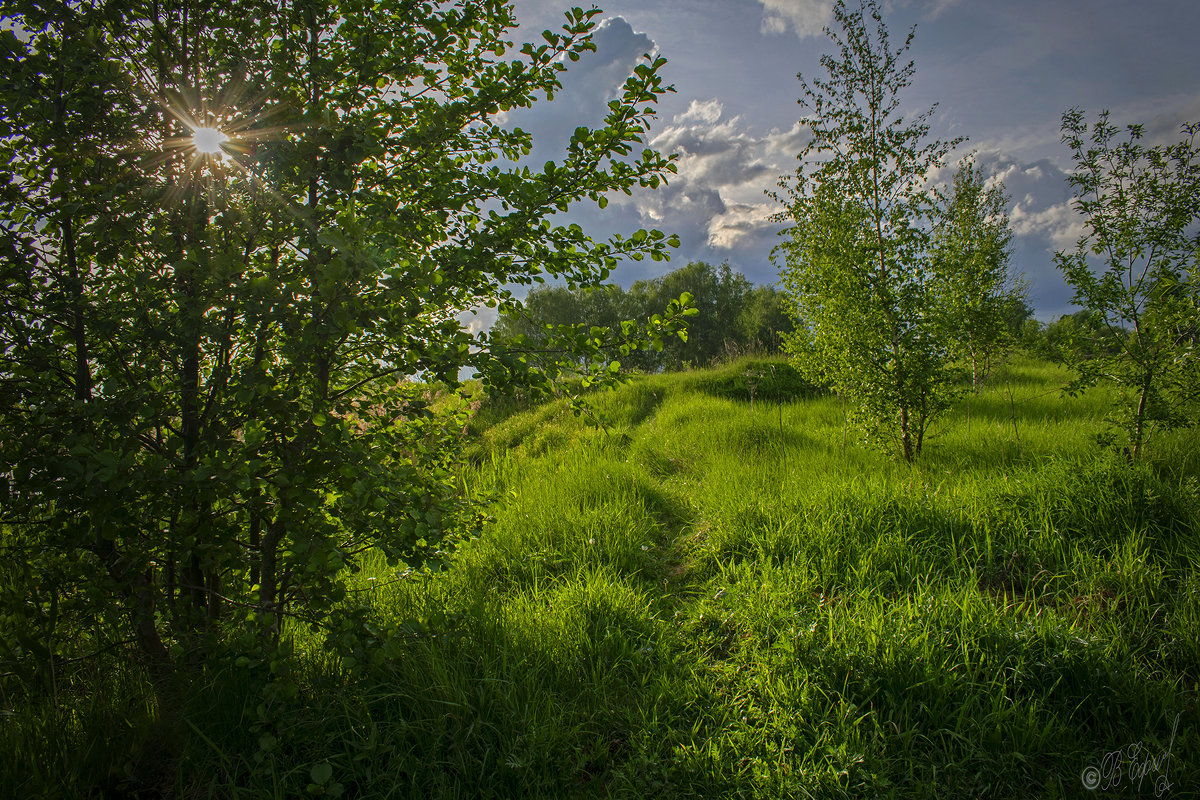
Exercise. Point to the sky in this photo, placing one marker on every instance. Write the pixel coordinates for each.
(1001, 72)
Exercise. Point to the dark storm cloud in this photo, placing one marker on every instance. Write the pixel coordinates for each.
(587, 87)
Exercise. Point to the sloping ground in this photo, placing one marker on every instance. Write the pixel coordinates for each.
(708, 598)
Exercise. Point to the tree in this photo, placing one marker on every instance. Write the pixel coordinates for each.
(546, 308)
(1079, 335)
(975, 292)
(763, 321)
(858, 263)
(718, 293)
(730, 314)
(229, 231)
(1134, 270)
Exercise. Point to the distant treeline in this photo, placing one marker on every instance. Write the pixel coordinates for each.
(735, 316)
(1082, 332)
(1085, 335)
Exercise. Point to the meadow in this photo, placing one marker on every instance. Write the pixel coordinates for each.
(708, 588)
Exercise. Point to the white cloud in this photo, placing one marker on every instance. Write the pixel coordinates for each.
(716, 202)
(1042, 220)
(1061, 225)
(740, 223)
(808, 18)
(477, 319)
(708, 111)
(723, 154)
(805, 17)
(936, 7)
(788, 143)
(1041, 199)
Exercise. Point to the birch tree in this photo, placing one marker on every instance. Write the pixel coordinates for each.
(1135, 269)
(857, 262)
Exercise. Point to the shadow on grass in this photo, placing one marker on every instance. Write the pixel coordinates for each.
(1007, 707)
(758, 382)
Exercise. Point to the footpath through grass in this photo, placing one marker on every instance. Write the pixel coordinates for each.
(720, 596)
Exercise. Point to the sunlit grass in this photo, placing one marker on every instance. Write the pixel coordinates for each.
(702, 598)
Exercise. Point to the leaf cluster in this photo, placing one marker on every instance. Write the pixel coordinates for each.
(1135, 268)
(211, 366)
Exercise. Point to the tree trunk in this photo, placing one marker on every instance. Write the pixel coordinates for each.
(268, 579)
(1139, 420)
(187, 283)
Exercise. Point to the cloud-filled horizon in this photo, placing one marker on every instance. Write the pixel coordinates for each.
(1000, 74)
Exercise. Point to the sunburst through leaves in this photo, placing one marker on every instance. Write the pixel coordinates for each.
(209, 141)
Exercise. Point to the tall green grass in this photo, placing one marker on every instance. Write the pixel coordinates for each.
(718, 593)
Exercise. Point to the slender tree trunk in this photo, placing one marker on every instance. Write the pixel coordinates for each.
(138, 590)
(268, 579)
(1139, 420)
(163, 675)
(187, 286)
(317, 254)
(83, 370)
(884, 300)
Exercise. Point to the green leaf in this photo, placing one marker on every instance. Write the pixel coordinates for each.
(321, 773)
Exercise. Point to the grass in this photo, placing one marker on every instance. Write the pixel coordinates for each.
(707, 598)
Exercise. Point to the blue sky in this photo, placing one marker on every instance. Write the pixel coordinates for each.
(1001, 71)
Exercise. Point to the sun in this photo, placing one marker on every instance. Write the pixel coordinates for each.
(212, 142)
(209, 141)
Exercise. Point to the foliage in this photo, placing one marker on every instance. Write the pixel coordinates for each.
(1079, 335)
(1135, 269)
(204, 418)
(733, 315)
(547, 307)
(858, 262)
(977, 296)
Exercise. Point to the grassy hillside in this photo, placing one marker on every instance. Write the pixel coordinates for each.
(720, 594)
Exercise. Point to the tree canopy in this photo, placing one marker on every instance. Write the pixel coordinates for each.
(1135, 269)
(980, 301)
(229, 232)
